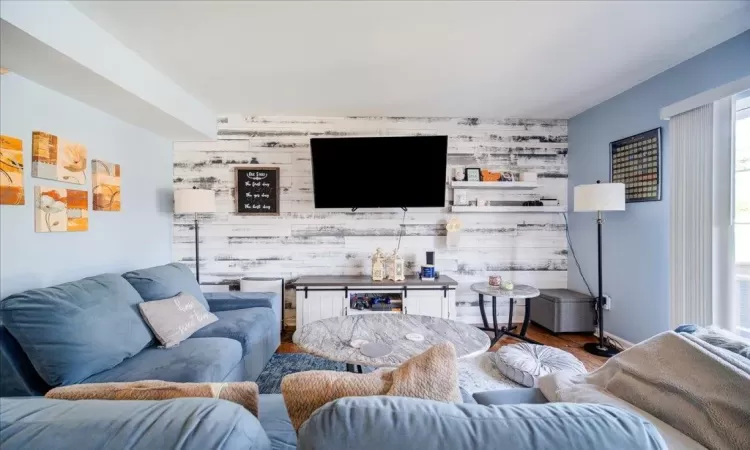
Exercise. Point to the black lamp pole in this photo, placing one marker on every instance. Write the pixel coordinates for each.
(600, 348)
(195, 201)
(197, 255)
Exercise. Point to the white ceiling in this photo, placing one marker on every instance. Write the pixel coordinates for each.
(529, 59)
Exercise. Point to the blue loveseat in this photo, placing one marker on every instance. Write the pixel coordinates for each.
(91, 331)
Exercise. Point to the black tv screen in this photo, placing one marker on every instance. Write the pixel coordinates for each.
(379, 172)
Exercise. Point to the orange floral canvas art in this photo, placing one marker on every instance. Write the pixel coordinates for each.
(106, 185)
(59, 209)
(55, 158)
(11, 171)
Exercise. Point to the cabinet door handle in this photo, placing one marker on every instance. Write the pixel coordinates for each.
(405, 310)
(346, 311)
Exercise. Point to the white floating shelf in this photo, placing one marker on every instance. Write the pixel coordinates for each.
(494, 185)
(509, 209)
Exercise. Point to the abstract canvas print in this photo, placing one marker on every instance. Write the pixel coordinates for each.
(11, 171)
(106, 185)
(60, 209)
(55, 158)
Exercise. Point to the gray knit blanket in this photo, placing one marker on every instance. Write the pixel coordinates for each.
(698, 389)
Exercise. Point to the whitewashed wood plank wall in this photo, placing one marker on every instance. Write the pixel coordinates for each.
(525, 247)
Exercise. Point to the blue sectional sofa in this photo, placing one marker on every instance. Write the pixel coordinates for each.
(364, 423)
(91, 331)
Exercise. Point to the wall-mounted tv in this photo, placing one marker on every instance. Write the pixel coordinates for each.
(379, 172)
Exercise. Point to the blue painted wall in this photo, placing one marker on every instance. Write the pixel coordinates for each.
(636, 241)
(138, 236)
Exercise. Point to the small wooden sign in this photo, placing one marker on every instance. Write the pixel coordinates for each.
(257, 190)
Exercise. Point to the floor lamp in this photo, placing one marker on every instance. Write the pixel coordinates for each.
(597, 198)
(194, 201)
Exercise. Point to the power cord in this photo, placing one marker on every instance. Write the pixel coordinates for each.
(580, 271)
(575, 258)
(614, 343)
(401, 231)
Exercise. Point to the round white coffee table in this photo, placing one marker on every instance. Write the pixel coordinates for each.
(518, 291)
(331, 338)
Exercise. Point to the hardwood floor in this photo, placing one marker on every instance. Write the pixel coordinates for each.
(572, 343)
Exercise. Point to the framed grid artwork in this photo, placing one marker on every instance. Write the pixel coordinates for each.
(636, 162)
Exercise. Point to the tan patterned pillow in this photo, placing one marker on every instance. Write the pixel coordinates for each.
(433, 375)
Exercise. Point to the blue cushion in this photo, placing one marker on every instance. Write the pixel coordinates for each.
(275, 421)
(513, 396)
(185, 423)
(376, 423)
(255, 328)
(75, 330)
(688, 328)
(246, 326)
(193, 360)
(160, 282)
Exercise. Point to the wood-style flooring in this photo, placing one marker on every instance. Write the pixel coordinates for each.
(572, 343)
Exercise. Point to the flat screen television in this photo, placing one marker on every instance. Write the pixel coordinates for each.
(379, 172)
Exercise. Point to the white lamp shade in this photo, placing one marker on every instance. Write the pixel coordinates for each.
(194, 201)
(599, 197)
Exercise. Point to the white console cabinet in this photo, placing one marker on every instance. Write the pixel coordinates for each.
(318, 305)
(430, 303)
(321, 297)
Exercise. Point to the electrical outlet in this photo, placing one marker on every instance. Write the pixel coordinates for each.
(606, 302)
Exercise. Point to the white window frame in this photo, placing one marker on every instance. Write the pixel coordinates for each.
(724, 303)
(735, 325)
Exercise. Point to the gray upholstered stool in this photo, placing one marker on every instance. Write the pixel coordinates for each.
(563, 311)
(524, 363)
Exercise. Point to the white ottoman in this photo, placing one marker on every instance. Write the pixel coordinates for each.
(524, 363)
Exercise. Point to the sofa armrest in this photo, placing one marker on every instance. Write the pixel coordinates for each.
(185, 423)
(17, 375)
(370, 423)
(227, 301)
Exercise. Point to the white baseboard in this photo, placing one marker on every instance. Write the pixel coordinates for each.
(625, 344)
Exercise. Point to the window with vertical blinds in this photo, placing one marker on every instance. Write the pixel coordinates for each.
(691, 136)
(708, 160)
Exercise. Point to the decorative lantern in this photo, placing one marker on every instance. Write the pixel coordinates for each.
(387, 266)
(378, 268)
(396, 267)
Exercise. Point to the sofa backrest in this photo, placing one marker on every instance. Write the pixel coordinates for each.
(184, 423)
(74, 330)
(160, 282)
(375, 423)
